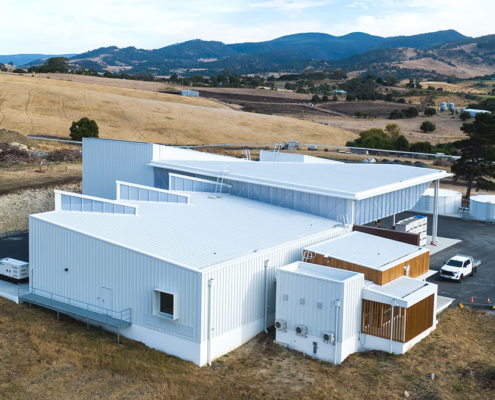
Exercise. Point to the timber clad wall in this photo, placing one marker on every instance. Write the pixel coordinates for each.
(419, 317)
(419, 265)
(404, 237)
(375, 319)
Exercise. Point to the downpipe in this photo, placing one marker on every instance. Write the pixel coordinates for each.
(210, 308)
(337, 312)
(267, 265)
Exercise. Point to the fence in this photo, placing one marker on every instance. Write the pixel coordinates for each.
(404, 237)
(345, 149)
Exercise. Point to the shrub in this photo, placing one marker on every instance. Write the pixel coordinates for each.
(401, 101)
(324, 98)
(430, 112)
(4, 69)
(350, 97)
(465, 115)
(316, 99)
(428, 126)
(421, 147)
(19, 71)
(84, 128)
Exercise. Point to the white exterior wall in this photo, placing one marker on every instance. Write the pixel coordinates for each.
(106, 161)
(384, 205)
(314, 290)
(270, 156)
(94, 264)
(161, 152)
(482, 210)
(449, 202)
(238, 295)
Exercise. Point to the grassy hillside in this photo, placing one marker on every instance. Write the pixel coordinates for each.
(32, 105)
(43, 358)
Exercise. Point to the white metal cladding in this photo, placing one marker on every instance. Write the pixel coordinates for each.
(73, 202)
(324, 206)
(482, 207)
(384, 205)
(271, 156)
(161, 152)
(316, 290)
(239, 288)
(107, 161)
(191, 184)
(93, 264)
(449, 202)
(131, 192)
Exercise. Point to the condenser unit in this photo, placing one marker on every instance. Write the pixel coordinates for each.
(328, 337)
(280, 325)
(301, 330)
(14, 270)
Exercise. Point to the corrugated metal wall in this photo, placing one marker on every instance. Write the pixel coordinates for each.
(324, 206)
(132, 276)
(191, 184)
(106, 161)
(270, 156)
(239, 288)
(387, 204)
(311, 291)
(174, 153)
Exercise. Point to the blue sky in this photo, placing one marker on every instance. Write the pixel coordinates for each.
(67, 26)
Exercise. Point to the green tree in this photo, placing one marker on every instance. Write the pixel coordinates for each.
(411, 83)
(401, 101)
(428, 126)
(420, 147)
(465, 115)
(324, 98)
(19, 71)
(393, 131)
(392, 80)
(174, 78)
(430, 112)
(402, 143)
(418, 84)
(477, 162)
(389, 97)
(335, 98)
(316, 99)
(84, 128)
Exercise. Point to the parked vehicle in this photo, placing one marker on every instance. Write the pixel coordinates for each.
(458, 267)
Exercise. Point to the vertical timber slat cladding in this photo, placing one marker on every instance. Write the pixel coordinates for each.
(404, 237)
(419, 317)
(418, 265)
(376, 319)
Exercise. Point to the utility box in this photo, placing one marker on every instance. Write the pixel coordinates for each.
(14, 270)
(417, 224)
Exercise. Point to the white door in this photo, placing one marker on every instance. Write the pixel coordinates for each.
(107, 298)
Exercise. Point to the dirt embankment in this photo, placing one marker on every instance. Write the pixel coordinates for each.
(15, 208)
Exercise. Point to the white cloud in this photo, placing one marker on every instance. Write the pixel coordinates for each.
(285, 5)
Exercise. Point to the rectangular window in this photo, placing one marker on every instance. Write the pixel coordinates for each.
(167, 303)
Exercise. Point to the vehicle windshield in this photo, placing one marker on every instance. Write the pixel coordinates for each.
(454, 263)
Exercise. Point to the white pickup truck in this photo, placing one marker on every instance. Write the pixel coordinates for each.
(458, 267)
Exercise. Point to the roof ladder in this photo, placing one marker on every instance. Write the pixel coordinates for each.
(276, 150)
(489, 213)
(220, 178)
(247, 153)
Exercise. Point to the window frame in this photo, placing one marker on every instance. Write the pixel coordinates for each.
(156, 304)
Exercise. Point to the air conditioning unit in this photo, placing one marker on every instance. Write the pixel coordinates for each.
(301, 330)
(280, 325)
(328, 337)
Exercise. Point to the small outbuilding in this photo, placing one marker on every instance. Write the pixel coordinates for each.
(189, 93)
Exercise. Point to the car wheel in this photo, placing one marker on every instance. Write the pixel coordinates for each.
(473, 272)
(462, 277)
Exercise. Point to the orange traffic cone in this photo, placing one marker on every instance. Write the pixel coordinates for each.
(472, 301)
(488, 300)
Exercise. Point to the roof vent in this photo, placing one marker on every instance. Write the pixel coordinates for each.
(214, 197)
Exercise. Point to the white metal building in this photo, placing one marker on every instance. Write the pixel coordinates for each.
(272, 156)
(179, 249)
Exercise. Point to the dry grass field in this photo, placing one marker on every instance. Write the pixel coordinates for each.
(33, 105)
(43, 358)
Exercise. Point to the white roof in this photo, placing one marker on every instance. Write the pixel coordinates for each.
(320, 272)
(13, 261)
(366, 250)
(205, 232)
(351, 181)
(398, 288)
(483, 198)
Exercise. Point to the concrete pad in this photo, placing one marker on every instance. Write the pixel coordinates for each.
(9, 290)
(443, 243)
(443, 303)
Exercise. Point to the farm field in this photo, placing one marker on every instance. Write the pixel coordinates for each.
(32, 105)
(44, 358)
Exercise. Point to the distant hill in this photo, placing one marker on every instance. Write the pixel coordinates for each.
(24, 59)
(288, 53)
